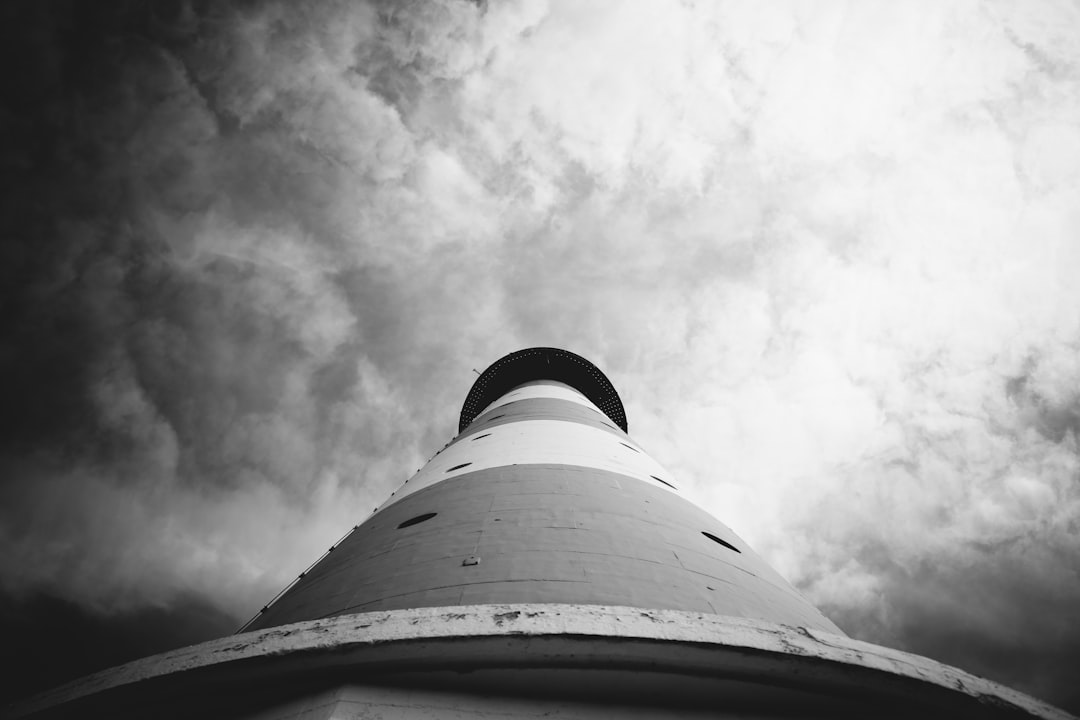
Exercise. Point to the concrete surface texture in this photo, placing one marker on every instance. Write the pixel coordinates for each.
(542, 498)
(535, 660)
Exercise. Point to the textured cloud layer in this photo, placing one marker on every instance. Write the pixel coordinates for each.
(826, 253)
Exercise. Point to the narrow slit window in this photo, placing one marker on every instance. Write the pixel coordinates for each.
(416, 520)
(458, 467)
(663, 481)
(478, 437)
(715, 539)
(630, 446)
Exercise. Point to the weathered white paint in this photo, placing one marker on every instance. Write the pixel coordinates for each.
(762, 655)
(538, 442)
(542, 389)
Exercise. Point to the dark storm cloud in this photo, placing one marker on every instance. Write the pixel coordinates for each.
(918, 610)
(48, 640)
(180, 324)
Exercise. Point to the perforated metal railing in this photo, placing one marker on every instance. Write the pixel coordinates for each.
(543, 363)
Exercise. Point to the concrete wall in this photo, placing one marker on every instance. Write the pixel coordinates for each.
(634, 695)
(526, 660)
(543, 500)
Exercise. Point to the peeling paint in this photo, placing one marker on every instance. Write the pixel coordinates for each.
(667, 641)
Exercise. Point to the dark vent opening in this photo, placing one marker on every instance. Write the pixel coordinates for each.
(416, 520)
(458, 467)
(630, 446)
(663, 481)
(715, 539)
(480, 436)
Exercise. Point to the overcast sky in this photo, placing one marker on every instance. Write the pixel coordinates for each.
(827, 252)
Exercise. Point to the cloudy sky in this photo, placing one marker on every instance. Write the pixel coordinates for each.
(827, 252)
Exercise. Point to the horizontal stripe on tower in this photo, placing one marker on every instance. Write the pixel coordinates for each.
(555, 533)
(539, 409)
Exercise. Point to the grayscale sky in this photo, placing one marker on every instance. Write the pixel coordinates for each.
(828, 253)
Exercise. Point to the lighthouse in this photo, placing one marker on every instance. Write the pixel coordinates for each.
(542, 564)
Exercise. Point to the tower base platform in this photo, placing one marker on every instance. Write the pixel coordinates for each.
(531, 661)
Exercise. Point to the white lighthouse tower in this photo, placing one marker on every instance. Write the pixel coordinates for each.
(541, 565)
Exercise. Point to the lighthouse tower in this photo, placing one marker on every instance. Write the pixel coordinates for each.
(541, 564)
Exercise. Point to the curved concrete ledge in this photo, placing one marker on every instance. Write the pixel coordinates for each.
(475, 637)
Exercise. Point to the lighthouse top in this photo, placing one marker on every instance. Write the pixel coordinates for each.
(542, 363)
